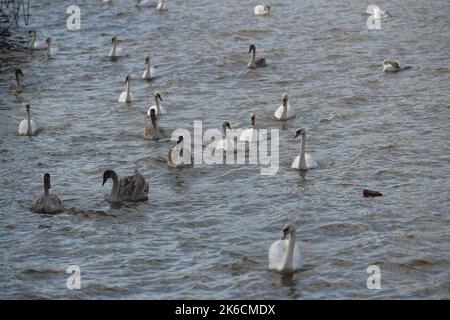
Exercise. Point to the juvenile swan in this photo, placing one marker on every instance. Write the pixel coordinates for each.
(303, 161)
(179, 155)
(125, 96)
(157, 107)
(152, 130)
(48, 203)
(250, 135)
(131, 188)
(17, 87)
(392, 66)
(262, 9)
(36, 45)
(284, 254)
(284, 112)
(255, 62)
(27, 127)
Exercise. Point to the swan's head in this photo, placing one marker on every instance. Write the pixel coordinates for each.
(19, 72)
(48, 42)
(128, 78)
(27, 107)
(253, 117)
(285, 99)
(180, 139)
(226, 124)
(157, 94)
(47, 180)
(300, 132)
(114, 39)
(252, 47)
(147, 60)
(32, 31)
(108, 174)
(267, 8)
(288, 230)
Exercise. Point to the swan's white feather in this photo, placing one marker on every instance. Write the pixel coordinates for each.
(277, 255)
(159, 111)
(23, 127)
(310, 162)
(279, 114)
(123, 97)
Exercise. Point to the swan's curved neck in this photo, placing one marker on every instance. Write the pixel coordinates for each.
(18, 79)
(115, 187)
(49, 48)
(114, 49)
(127, 98)
(154, 122)
(288, 261)
(29, 129)
(302, 153)
(148, 70)
(46, 187)
(157, 103)
(33, 40)
(253, 56)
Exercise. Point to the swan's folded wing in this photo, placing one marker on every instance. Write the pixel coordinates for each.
(392, 63)
(276, 254)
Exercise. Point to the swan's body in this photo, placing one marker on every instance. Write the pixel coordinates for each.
(255, 62)
(152, 131)
(262, 10)
(161, 5)
(225, 144)
(145, 3)
(303, 161)
(250, 135)
(51, 51)
(177, 153)
(27, 127)
(157, 107)
(36, 45)
(48, 203)
(17, 87)
(284, 254)
(115, 51)
(377, 14)
(131, 188)
(125, 97)
(284, 112)
(149, 72)
(392, 66)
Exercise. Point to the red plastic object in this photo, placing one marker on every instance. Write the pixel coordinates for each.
(370, 193)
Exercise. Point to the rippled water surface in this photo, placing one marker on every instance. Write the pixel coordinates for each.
(204, 233)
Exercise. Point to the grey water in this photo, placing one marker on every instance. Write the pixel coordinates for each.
(204, 232)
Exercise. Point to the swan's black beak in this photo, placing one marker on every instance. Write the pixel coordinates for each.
(159, 96)
(105, 178)
(228, 125)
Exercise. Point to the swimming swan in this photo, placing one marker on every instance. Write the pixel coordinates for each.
(158, 108)
(392, 66)
(125, 97)
(161, 5)
(262, 10)
(250, 135)
(27, 127)
(226, 143)
(17, 87)
(48, 203)
(115, 51)
(131, 188)
(179, 155)
(152, 131)
(284, 254)
(148, 72)
(304, 161)
(36, 45)
(255, 62)
(284, 111)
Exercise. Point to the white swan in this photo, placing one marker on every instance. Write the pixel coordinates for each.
(161, 5)
(36, 45)
(152, 131)
(149, 72)
(126, 96)
(115, 51)
(284, 111)
(284, 254)
(178, 153)
(255, 62)
(145, 3)
(48, 203)
(157, 107)
(131, 188)
(304, 161)
(251, 134)
(27, 127)
(392, 66)
(262, 9)
(51, 51)
(17, 87)
(226, 143)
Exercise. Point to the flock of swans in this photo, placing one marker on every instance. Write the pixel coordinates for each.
(284, 254)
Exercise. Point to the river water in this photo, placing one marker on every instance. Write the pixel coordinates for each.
(205, 231)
